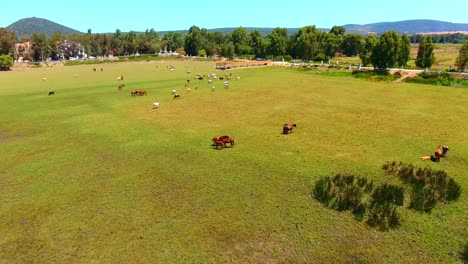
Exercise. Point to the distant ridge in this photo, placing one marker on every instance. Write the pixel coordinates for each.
(410, 27)
(29, 26)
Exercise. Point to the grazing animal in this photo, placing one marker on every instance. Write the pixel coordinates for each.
(133, 93)
(445, 148)
(227, 140)
(226, 84)
(438, 152)
(212, 89)
(141, 92)
(218, 144)
(288, 128)
(102, 69)
(187, 83)
(121, 86)
(94, 69)
(44, 79)
(156, 105)
(120, 78)
(173, 92)
(210, 81)
(176, 96)
(221, 78)
(52, 93)
(238, 78)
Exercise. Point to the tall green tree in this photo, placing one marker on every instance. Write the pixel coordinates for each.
(462, 59)
(404, 50)
(40, 47)
(385, 53)
(259, 44)
(7, 41)
(306, 44)
(368, 45)
(172, 41)
(241, 40)
(351, 44)
(194, 41)
(228, 50)
(425, 56)
(278, 42)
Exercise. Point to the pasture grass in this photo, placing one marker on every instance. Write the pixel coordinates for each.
(93, 174)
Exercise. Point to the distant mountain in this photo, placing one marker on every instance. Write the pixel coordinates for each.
(408, 26)
(29, 26)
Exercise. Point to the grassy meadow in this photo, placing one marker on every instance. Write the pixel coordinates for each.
(94, 175)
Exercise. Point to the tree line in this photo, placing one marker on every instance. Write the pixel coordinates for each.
(390, 49)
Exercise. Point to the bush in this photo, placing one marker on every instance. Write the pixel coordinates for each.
(379, 76)
(387, 193)
(383, 216)
(6, 61)
(428, 186)
(342, 192)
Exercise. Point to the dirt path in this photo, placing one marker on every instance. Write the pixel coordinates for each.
(405, 74)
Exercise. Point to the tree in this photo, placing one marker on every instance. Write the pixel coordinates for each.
(306, 45)
(338, 30)
(351, 44)
(40, 47)
(6, 61)
(259, 44)
(385, 53)
(462, 59)
(7, 41)
(172, 41)
(366, 49)
(228, 50)
(194, 41)
(241, 41)
(278, 42)
(404, 50)
(425, 56)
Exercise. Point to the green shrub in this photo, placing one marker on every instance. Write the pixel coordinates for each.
(383, 216)
(387, 193)
(428, 186)
(342, 192)
(465, 254)
(422, 199)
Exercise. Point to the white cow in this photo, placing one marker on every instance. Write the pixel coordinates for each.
(156, 105)
(226, 84)
(173, 92)
(238, 78)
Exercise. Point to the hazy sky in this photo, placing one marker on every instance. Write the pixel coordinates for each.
(107, 16)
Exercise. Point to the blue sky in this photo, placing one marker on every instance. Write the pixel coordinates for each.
(107, 16)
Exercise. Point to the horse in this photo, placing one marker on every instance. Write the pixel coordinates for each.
(288, 128)
(227, 140)
(140, 92)
(121, 86)
(218, 143)
(134, 93)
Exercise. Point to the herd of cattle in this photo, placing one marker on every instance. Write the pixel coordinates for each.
(219, 142)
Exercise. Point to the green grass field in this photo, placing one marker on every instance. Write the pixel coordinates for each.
(94, 175)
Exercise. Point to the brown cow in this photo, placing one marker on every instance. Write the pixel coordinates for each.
(288, 128)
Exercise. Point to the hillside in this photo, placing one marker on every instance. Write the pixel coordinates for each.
(407, 26)
(28, 26)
